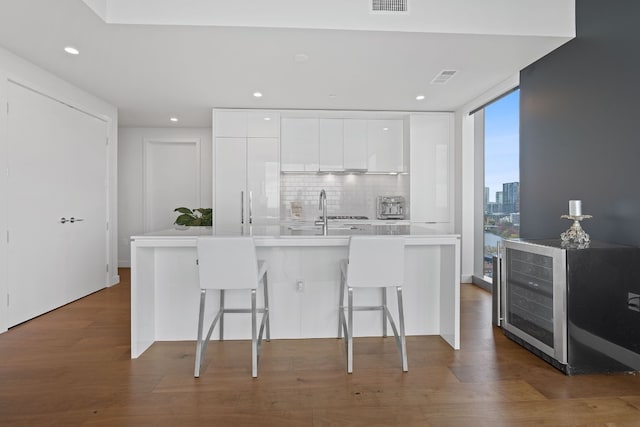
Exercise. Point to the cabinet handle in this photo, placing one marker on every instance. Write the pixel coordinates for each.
(63, 220)
(250, 207)
(72, 220)
(242, 207)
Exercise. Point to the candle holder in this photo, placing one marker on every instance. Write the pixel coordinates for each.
(575, 236)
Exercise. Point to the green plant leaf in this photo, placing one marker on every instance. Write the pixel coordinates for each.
(184, 219)
(184, 210)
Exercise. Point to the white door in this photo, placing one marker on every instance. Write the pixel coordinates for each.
(57, 167)
(171, 180)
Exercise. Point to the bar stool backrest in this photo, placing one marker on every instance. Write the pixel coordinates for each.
(227, 263)
(375, 261)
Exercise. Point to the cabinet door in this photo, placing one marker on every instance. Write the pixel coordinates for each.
(230, 124)
(299, 144)
(431, 138)
(331, 144)
(263, 124)
(384, 145)
(355, 144)
(230, 182)
(263, 180)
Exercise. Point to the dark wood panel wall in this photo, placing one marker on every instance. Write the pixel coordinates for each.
(580, 127)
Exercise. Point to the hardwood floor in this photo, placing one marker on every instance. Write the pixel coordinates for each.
(72, 367)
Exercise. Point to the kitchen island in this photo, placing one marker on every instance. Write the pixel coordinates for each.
(304, 280)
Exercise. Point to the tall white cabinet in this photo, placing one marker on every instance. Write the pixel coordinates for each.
(247, 168)
(431, 167)
(56, 204)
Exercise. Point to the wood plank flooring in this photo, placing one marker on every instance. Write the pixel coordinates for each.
(72, 367)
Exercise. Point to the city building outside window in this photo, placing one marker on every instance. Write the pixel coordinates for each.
(501, 175)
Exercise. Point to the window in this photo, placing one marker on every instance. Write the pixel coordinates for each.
(501, 175)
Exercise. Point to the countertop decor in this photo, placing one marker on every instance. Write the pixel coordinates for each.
(195, 217)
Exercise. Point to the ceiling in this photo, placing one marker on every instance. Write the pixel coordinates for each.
(152, 72)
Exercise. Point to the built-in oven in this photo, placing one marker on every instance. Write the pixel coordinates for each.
(534, 298)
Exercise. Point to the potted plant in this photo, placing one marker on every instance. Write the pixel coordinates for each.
(195, 217)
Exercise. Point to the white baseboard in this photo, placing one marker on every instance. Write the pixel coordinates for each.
(466, 278)
(115, 279)
(124, 263)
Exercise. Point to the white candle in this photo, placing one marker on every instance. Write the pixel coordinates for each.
(575, 207)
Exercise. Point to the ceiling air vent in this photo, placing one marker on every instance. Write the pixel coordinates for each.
(443, 77)
(387, 6)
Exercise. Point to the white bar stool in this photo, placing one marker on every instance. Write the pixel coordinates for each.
(374, 262)
(230, 263)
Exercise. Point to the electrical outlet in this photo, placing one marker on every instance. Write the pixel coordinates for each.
(633, 302)
(299, 286)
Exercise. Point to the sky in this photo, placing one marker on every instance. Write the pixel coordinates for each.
(501, 144)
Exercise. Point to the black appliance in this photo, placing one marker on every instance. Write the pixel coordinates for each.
(572, 307)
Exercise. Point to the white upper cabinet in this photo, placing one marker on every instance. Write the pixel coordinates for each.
(385, 146)
(230, 124)
(331, 144)
(299, 144)
(255, 123)
(431, 165)
(355, 144)
(263, 124)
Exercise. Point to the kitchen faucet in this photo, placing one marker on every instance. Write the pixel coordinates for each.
(322, 204)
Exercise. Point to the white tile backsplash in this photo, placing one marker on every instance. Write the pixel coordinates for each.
(346, 194)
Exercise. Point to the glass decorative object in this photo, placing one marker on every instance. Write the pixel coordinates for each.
(575, 236)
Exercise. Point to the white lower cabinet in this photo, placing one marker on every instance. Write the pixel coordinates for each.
(246, 181)
(431, 166)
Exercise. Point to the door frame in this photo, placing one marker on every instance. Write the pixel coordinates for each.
(5, 81)
(147, 143)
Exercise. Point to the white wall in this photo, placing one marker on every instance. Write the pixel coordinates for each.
(130, 178)
(27, 74)
(470, 170)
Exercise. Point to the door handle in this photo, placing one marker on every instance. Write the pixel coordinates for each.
(72, 220)
(63, 220)
(250, 207)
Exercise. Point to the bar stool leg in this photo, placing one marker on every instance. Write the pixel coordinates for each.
(341, 306)
(196, 373)
(266, 306)
(403, 340)
(221, 314)
(384, 311)
(350, 332)
(254, 336)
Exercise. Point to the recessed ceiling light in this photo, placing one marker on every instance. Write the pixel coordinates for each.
(420, 97)
(174, 119)
(71, 50)
(257, 94)
(267, 118)
(385, 129)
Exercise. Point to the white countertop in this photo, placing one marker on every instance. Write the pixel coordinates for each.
(303, 234)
